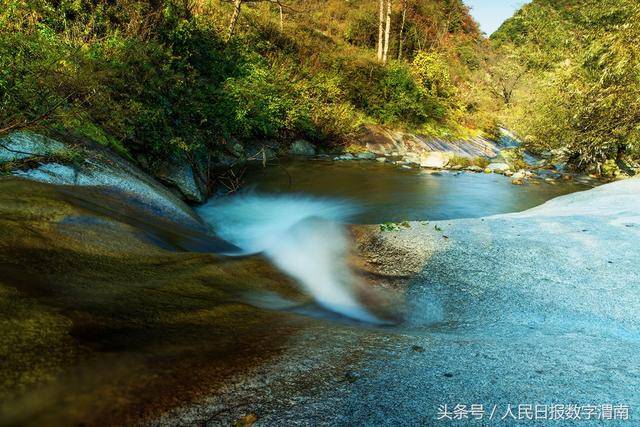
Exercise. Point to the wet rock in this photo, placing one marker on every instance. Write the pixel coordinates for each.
(474, 168)
(99, 166)
(508, 173)
(302, 148)
(546, 173)
(517, 181)
(179, 174)
(366, 156)
(346, 156)
(381, 159)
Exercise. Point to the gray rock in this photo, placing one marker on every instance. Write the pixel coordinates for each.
(411, 158)
(499, 167)
(381, 159)
(537, 307)
(521, 174)
(101, 167)
(546, 173)
(346, 156)
(366, 156)
(178, 173)
(435, 159)
(24, 145)
(302, 148)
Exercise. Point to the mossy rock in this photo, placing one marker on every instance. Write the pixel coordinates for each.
(105, 321)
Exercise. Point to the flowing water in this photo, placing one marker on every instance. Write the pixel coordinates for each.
(387, 193)
(302, 236)
(137, 313)
(302, 233)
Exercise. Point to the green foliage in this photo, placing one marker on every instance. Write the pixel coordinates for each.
(431, 71)
(465, 162)
(394, 226)
(582, 95)
(157, 78)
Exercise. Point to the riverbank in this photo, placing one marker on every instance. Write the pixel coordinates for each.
(538, 307)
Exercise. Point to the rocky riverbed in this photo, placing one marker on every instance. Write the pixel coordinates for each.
(535, 308)
(116, 309)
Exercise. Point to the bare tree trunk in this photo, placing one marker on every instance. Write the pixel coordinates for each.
(281, 18)
(381, 31)
(401, 35)
(387, 33)
(237, 4)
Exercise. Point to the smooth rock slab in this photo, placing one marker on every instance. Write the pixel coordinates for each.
(100, 167)
(23, 145)
(540, 307)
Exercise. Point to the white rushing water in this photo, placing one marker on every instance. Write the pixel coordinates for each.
(303, 237)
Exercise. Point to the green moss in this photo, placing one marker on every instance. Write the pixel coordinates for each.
(464, 162)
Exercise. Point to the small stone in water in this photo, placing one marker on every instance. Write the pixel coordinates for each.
(417, 349)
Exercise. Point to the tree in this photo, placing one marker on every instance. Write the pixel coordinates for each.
(381, 31)
(237, 6)
(384, 31)
(401, 34)
(504, 73)
(387, 33)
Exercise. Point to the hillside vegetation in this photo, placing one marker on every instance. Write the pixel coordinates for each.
(158, 78)
(575, 66)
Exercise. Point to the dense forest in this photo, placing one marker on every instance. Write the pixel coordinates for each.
(159, 78)
(572, 74)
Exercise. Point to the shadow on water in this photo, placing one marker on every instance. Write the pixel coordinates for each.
(388, 193)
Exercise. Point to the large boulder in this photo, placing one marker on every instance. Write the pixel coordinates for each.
(25, 145)
(302, 148)
(178, 173)
(435, 160)
(499, 167)
(35, 157)
(382, 141)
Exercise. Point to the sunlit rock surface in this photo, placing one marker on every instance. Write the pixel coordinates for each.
(95, 166)
(540, 307)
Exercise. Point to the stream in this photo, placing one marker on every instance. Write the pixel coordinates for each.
(390, 193)
(140, 315)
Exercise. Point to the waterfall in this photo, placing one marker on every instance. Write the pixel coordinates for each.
(303, 237)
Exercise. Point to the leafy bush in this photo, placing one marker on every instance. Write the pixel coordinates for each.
(465, 162)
